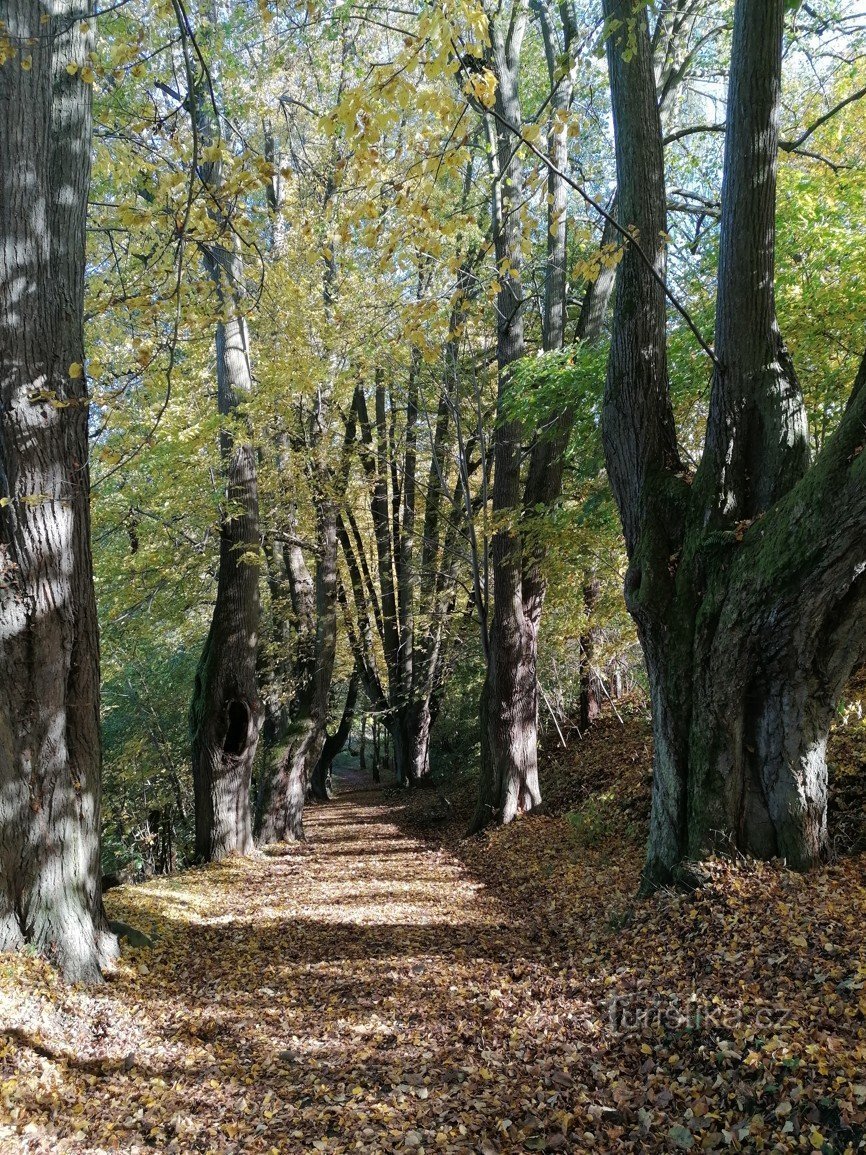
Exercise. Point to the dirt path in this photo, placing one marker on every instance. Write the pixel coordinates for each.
(360, 993)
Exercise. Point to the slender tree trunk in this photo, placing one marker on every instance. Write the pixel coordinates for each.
(590, 702)
(50, 755)
(509, 702)
(377, 736)
(320, 780)
(747, 584)
(226, 713)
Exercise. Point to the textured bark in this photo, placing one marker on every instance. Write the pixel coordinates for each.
(757, 443)
(50, 756)
(509, 703)
(411, 743)
(509, 698)
(747, 586)
(280, 808)
(226, 712)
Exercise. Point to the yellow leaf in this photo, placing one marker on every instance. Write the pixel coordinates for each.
(87, 74)
(26, 63)
(71, 67)
(76, 369)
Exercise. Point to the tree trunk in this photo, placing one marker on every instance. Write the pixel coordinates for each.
(50, 755)
(377, 777)
(747, 585)
(590, 701)
(280, 809)
(226, 713)
(320, 779)
(509, 698)
(410, 735)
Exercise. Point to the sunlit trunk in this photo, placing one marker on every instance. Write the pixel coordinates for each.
(50, 757)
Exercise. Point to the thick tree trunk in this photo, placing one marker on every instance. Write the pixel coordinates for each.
(280, 809)
(225, 714)
(509, 699)
(50, 756)
(747, 585)
(410, 735)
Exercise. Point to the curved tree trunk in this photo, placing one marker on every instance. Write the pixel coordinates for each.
(320, 779)
(748, 584)
(50, 755)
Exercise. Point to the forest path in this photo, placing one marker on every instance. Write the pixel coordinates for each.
(358, 993)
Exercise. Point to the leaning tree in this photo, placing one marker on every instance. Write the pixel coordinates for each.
(746, 578)
(50, 759)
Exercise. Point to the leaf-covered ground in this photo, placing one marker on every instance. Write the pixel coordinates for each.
(386, 988)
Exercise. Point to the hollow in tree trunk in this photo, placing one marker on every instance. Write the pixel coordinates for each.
(225, 715)
(226, 712)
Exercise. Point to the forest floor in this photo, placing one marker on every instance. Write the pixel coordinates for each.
(391, 987)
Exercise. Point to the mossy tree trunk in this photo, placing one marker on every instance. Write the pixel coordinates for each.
(746, 581)
(50, 755)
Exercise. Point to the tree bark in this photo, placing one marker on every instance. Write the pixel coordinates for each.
(280, 808)
(509, 697)
(747, 584)
(50, 755)
(226, 712)
(509, 702)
